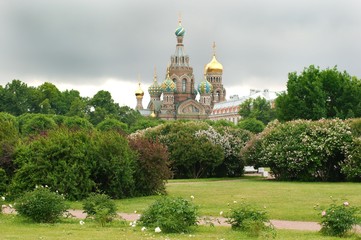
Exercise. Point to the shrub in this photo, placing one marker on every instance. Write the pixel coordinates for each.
(302, 150)
(112, 125)
(3, 182)
(170, 215)
(37, 123)
(41, 205)
(352, 166)
(249, 219)
(338, 220)
(100, 207)
(152, 166)
(252, 125)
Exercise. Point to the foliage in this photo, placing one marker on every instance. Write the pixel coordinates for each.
(3, 182)
(259, 109)
(9, 135)
(100, 207)
(355, 125)
(145, 122)
(251, 124)
(191, 156)
(170, 215)
(302, 150)
(250, 219)
(112, 124)
(113, 164)
(231, 140)
(59, 159)
(352, 165)
(41, 205)
(77, 123)
(152, 166)
(316, 94)
(38, 123)
(76, 163)
(338, 220)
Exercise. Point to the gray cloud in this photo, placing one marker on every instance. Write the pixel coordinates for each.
(259, 41)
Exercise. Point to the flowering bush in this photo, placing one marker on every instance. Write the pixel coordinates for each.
(352, 166)
(41, 205)
(338, 220)
(170, 215)
(250, 219)
(100, 207)
(302, 150)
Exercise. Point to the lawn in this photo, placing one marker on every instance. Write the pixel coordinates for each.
(14, 227)
(282, 200)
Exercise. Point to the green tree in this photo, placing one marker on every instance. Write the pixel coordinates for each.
(14, 98)
(316, 94)
(258, 108)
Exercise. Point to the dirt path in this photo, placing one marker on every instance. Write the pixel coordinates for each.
(216, 221)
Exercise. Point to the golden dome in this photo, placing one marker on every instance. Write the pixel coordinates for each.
(139, 91)
(214, 66)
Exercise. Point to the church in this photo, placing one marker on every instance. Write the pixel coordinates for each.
(175, 97)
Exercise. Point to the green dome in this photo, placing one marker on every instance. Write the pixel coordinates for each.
(205, 87)
(168, 85)
(180, 31)
(155, 89)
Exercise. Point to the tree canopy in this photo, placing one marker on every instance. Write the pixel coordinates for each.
(316, 94)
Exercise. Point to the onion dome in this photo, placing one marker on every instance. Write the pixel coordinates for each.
(180, 31)
(205, 87)
(214, 66)
(168, 85)
(153, 115)
(139, 91)
(155, 89)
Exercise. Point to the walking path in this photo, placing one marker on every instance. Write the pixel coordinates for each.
(216, 221)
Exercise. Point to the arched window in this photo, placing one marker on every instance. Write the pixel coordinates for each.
(184, 84)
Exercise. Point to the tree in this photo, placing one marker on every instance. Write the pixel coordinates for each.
(14, 98)
(316, 94)
(258, 108)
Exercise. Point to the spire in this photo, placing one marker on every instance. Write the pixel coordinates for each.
(155, 74)
(214, 48)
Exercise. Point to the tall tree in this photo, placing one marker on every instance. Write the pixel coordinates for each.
(258, 108)
(316, 94)
(14, 98)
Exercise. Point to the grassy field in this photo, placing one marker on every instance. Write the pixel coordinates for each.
(282, 200)
(13, 227)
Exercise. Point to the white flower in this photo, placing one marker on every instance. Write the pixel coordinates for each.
(346, 204)
(143, 229)
(11, 206)
(81, 222)
(135, 211)
(192, 197)
(323, 213)
(3, 198)
(234, 202)
(157, 230)
(221, 213)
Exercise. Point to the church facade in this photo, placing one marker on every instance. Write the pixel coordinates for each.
(175, 97)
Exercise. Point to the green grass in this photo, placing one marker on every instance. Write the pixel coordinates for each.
(14, 227)
(282, 200)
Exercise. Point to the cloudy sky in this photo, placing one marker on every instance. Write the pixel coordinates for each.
(92, 45)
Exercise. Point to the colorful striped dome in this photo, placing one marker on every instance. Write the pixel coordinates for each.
(205, 87)
(168, 85)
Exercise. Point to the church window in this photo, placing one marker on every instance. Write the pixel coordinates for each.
(184, 84)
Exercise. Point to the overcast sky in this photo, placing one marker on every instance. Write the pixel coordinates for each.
(92, 45)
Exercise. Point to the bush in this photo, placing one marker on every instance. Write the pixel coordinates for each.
(112, 125)
(252, 125)
(152, 166)
(3, 182)
(170, 215)
(338, 220)
(352, 166)
(37, 123)
(41, 205)
(249, 219)
(100, 207)
(302, 150)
